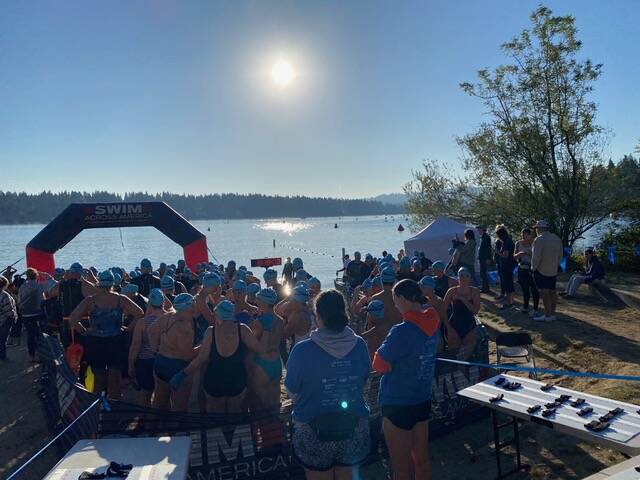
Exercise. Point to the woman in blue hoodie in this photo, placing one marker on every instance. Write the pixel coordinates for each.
(326, 375)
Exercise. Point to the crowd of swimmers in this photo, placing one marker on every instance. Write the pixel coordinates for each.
(222, 337)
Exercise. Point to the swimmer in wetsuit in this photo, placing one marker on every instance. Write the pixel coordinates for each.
(223, 354)
(173, 337)
(265, 369)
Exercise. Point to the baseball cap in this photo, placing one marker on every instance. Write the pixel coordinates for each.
(156, 297)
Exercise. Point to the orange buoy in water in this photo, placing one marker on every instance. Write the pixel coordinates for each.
(400, 228)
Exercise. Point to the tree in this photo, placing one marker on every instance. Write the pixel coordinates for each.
(539, 154)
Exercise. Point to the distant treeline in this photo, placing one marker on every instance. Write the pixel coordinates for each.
(21, 208)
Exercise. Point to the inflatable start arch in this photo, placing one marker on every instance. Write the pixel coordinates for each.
(79, 216)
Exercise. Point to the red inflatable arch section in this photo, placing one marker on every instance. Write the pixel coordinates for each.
(80, 216)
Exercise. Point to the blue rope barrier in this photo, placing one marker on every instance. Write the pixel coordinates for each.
(23, 466)
(564, 373)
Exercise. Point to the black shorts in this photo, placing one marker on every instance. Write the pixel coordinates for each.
(144, 373)
(543, 282)
(405, 417)
(104, 352)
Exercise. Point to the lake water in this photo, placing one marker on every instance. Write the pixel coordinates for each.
(315, 240)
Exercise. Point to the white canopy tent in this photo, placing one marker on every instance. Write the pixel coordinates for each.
(435, 239)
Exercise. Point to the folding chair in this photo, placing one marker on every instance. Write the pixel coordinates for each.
(514, 345)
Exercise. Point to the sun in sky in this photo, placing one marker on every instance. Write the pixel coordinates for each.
(282, 73)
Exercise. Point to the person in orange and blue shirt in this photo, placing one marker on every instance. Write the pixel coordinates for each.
(407, 359)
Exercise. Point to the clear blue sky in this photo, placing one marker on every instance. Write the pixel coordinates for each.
(175, 95)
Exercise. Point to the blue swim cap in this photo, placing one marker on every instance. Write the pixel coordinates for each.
(428, 282)
(225, 310)
(117, 279)
(389, 258)
(297, 263)
(314, 281)
(59, 271)
(167, 282)
(241, 275)
(269, 274)
(156, 297)
(182, 302)
(405, 262)
(377, 281)
(388, 275)
(242, 267)
(133, 274)
(268, 296)
(129, 288)
(384, 264)
(239, 286)
(211, 280)
(375, 308)
(416, 264)
(367, 284)
(300, 293)
(145, 263)
(163, 265)
(76, 268)
(301, 275)
(252, 289)
(105, 279)
(181, 263)
(438, 265)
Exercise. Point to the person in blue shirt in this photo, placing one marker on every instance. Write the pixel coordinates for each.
(407, 359)
(326, 376)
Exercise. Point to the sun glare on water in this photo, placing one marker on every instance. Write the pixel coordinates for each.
(282, 73)
(284, 227)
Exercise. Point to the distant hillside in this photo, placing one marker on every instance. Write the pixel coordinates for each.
(21, 208)
(391, 198)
